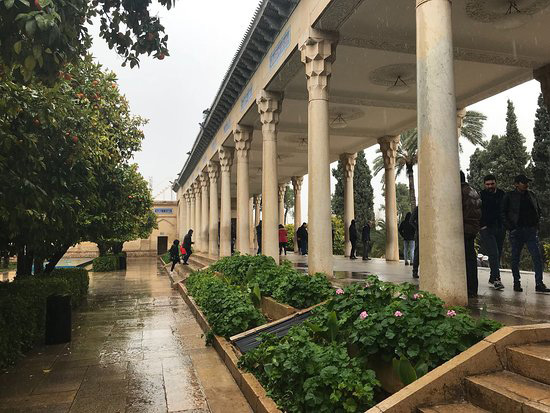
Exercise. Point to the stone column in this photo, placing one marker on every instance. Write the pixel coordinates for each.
(205, 216)
(213, 174)
(318, 53)
(243, 138)
(251, 231)
(226, 160)
(348, 164)
(198, 206)
(187, 222)
(282, 190)
(269, 107)
(442, 262)
(192, 210)
(388, 147)
(297, 185)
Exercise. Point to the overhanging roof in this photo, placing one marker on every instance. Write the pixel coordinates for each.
(268, 20)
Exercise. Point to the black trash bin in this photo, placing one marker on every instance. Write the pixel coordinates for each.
(58, 319)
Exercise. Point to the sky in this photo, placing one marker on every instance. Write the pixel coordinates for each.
(203, 38)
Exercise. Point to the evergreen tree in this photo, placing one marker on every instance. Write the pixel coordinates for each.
(504, 156)
(362, 191)
(541, 165)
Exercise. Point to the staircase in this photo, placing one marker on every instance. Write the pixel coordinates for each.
(507, 372)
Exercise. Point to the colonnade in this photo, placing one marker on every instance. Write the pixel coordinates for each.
(440, 214)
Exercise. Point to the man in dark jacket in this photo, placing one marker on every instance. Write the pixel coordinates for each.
(521, 215)
(187, 242)
(408, 232)
(302, 238)
(259, 237)
(471, 214)
(492, 229)
(365, 236)
(353, 240)
(415, 223)
(174, 254)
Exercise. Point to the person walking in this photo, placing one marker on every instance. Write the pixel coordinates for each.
(174, 254)
(187, 242)
(259, 237)
(283, 239)
(521, 216)
(408, 232)
(353, 240)
(416, 260)
(302, 238)
(365, 237)
(492, 230)
(471, 215)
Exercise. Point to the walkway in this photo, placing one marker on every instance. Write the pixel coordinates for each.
(136, 348)
(506, 306)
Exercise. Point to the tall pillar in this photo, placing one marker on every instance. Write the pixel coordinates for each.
(226, 160)
(198, 208)
(388, 147)
(282, 190)
(257, 218)
(297, 185)
(348, 164)
(186, 222)
(243, 138)
(213, 174)
(442, 262)
(269, 107)
(318, 53)
(192, 210)
(204, 211)
(251, 231)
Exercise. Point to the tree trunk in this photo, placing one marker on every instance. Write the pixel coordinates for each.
(412, 195)
(38, 265)
(52, 262)
(24, 262)
(103, 248)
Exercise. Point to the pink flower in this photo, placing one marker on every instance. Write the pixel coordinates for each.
(451, 313)
(398, 314)
(339, 291)
(417, 296)
(363, 315)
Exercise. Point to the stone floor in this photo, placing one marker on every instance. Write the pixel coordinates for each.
(136, 348)
(506, 306)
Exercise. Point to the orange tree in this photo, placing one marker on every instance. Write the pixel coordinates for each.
(38, 37)
(58, 147)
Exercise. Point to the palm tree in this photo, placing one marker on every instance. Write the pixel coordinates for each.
(407, 157)
(407, 150)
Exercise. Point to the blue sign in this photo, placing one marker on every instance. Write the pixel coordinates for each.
(279, 49)
(246, 97)
(164, 211)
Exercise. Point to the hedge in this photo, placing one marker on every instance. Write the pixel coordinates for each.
(23, 308)
(107, 263)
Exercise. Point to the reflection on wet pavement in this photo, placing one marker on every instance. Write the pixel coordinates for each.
(136, 348)
(506, 306)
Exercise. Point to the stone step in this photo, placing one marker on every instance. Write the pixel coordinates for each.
(508, 392)
(201, 259)
(463, 407)
(530, 360)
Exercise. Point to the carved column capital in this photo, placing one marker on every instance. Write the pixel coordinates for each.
(269, 108)
(348, 163)
(226, 158)
(318, 53)
(258, 201)
(213, 172)
(297, 182)
(543, 76)
(197, 187)
(282, 190)
(388, 147)
(243, 138)
(203, 177)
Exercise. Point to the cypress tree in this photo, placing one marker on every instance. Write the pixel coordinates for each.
(541, 165)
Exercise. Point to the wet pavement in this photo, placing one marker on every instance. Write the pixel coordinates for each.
(136, 348)
(506, 306)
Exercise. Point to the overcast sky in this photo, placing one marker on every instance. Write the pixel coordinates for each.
(203, 38)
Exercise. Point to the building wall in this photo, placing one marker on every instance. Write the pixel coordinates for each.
(167, 220)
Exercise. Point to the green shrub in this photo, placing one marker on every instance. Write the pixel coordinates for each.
(106, 263)
(165, 257)
(290, 234)
(23, 308)
(229, 310)
(547, 255)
